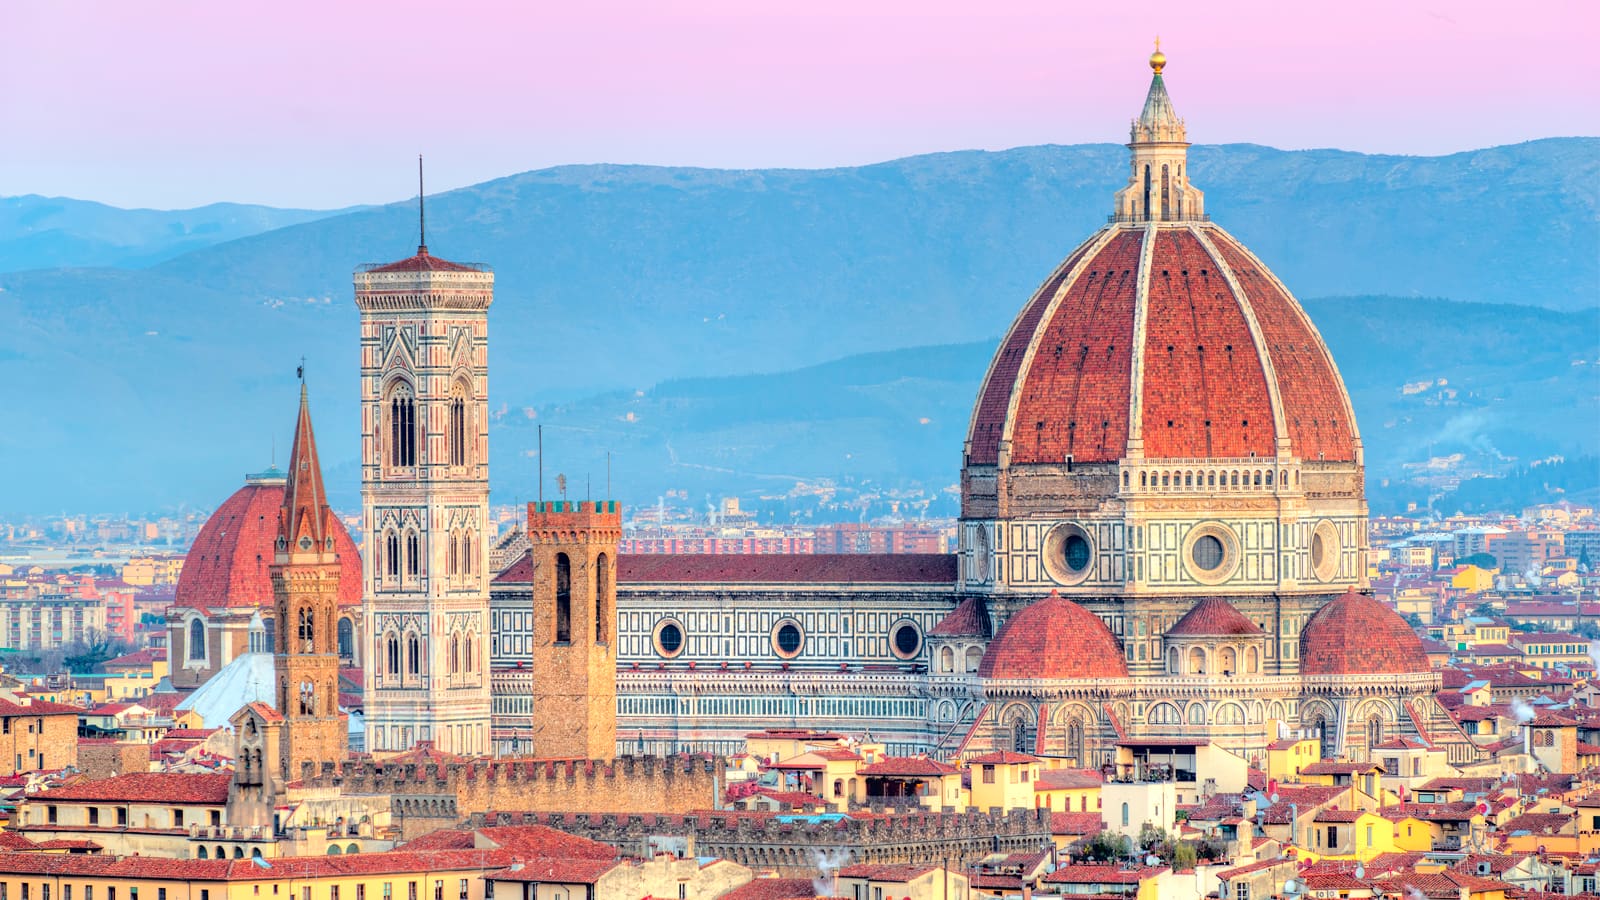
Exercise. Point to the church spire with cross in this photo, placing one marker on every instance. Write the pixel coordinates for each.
(305, 575)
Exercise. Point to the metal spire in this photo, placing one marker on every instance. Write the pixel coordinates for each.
(422, 213)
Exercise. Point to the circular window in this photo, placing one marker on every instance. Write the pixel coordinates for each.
(669, 638)
(1325, 551)
(788, 639)
(905, 639)
(1211, 553)
(1068, 554)
(1207, 553)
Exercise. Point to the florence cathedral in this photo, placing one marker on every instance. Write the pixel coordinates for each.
(1161, 544)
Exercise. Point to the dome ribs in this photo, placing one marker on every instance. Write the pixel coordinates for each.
(989, 418)
(1205, 393)
(1078, 403)
(1318, 418)
(1355, 634)
(1053, 638)
(227, 565)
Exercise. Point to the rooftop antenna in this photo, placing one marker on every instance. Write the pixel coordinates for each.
(422, 214)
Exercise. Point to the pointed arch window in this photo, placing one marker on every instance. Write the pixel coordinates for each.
(413, 654)
(466, 552)
(413, 554)
(392, 653)
(402, 427)
(457, 425)
(452, 565)
(563, 599)
(307, 630)
(391, 555)
(455, 654)
(602, 593)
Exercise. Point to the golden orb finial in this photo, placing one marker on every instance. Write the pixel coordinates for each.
(1158, 60)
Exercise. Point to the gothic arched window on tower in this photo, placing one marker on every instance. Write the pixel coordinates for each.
(466, 552)
(413, 654)
(455, 654)
(563, 599)
(602, 590)
(392, 653)
(308, 699)
(458, 426)
(402, 428)
(413, 555)
(307, 631)
(391, 555)
(452, 559)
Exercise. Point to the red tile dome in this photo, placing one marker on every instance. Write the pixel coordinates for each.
(227, 563)
(1355, 634)
(1053, 638)
(1213, 617)
(1174, 338)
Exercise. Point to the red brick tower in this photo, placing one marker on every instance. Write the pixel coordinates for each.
(574, 557)
(305, 593)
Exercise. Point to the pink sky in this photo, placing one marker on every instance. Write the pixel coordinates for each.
(293, 103)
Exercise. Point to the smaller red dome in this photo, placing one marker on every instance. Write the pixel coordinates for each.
(1213, 617)
(1054, 638)
(227, 565)
(1355, 634)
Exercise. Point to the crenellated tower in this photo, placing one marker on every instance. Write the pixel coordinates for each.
(425, 501)
(574, 556)
(305, 594)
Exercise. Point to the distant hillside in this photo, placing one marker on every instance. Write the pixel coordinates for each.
(161, 385)
(57, 232)
(1503, 383)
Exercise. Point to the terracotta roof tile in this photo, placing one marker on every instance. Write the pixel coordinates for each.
(1357, 635)
(970, 618)
(1213, 616)
(145, 787)
(1053, 638)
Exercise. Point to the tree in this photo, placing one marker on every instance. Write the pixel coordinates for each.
(1184, 855)
(1106, 846)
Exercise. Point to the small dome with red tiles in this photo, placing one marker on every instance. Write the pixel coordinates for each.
(1355, 634)
(1214, 617)
(1053, 639)
(228, 562)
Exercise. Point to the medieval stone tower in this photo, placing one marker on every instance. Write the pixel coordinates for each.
(305, 595)
(574, 557)
(425, 501)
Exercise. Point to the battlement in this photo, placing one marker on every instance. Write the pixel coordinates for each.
(366, 776)
(787, 842)
(561, 521)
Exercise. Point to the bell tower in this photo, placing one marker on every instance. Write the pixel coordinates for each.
(574, 556)
(425, 501)
(305, 596)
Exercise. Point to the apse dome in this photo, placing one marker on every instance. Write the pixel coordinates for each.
(1053, 639)
(1358, 635)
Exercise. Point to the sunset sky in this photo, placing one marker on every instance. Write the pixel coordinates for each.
(322, 104)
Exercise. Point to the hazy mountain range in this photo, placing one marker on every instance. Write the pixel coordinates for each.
(656, 291)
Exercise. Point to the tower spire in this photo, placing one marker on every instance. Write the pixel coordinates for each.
(303, 521)
(422, 213)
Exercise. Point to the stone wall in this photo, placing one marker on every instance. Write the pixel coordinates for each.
(432, 796)
(104, 759)
(794, 846)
